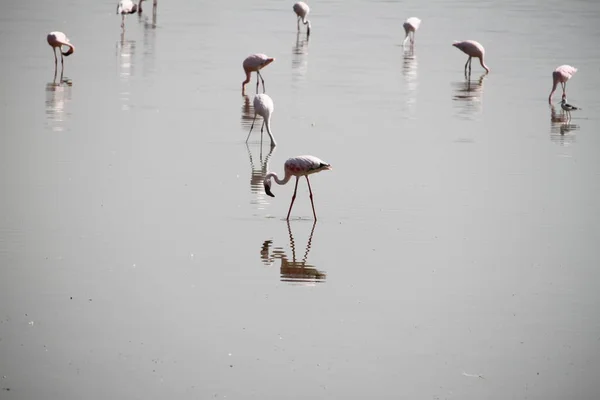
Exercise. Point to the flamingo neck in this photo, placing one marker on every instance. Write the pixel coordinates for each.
(70, 51)
(483, 64)
(273, 175)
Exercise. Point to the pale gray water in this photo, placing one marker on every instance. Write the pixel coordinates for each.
(457, 232)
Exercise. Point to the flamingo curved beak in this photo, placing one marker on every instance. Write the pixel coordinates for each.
(268, 191)
(68, 52)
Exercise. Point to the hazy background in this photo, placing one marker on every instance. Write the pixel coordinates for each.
(456, 253)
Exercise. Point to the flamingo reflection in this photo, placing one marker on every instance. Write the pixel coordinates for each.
(561, 128)
(125, 54)
(409, 70)
(292, 270)
(299, 56)
(57, 97)
(467, 95)
(257, 177)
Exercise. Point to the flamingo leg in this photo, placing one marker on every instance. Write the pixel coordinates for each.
(564, 88)
(251, 126)
(467, 63)
(311, 198)
(293, 198)
(298, 22)
(261, 132)
(263, 82)
(55, 58)
(123, 21)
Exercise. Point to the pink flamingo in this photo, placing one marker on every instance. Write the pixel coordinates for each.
(411, 25)
(561, 74)
(59, 39)
(254, 63)
(263, 106)
(126, 7)
(301, 9)
(297, 166)
(472, 49)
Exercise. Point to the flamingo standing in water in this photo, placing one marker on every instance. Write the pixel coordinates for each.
(263, 106)
(126, 7)
(561, 74)
(411, 25)
(139, 7)
(297, 166)
(254, 63)
(472, 49)
(59, 39)
(301, 9)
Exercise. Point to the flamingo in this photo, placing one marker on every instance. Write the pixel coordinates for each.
(302, 9)
(411, 25)
(263, 106)
(126, 7)
(139, 7)
(297, 166)
(561, 74)
(254, 63)
(59, 39)
(567, 107)
(472, 49)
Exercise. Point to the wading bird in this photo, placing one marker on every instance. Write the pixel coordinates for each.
(472, 49)
(567, 107)
(254, 63)
(561, 74)
(154, 4)
(297, 166)
(411, 25)
(263, 106)
(126, 7)
(59, 39)
(301, 9)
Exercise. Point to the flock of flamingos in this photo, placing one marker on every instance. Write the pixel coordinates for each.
(263, 104)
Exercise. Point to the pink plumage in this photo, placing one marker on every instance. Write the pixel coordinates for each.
(472, 49)
(58, 40)
(561, 75)
(301, 9)
(297, 166)
(254, 63)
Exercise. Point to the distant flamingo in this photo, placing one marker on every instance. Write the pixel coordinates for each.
(254, 63)
(472, 49)
(561, 74)
(59, 39)
(411, 25)
(263, 106)
(126, 7)
(301, 9)
(297, 166)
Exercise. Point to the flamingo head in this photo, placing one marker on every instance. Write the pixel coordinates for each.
(69, 52)
(268, 188)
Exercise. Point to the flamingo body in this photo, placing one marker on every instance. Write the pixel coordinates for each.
(126, 7)
(472, 49)
(411, 25)
(58, 40)
(254, 63)
(263, 106)
(561, 75)
(302, 9)
(298, 167)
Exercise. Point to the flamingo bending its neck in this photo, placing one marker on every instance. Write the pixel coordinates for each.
(472, 49)
(561, 75)
(126, 7)
(254, 63)
(297, 166)
(301, 9)
(263, 106)
(57, 40)
(411, 25)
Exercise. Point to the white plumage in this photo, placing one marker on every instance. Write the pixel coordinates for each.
(411, 25)
(263, 106)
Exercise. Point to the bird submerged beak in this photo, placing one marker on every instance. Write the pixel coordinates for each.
(268, 191)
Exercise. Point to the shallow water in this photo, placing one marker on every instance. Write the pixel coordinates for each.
(454, 255)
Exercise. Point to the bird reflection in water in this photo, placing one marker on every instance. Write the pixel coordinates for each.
(409, 70)
(144, 18)
(257, 178)
(292, 270)
(467, 95)
(561, 128)
(300, 56)
(58, 94)
(125, 54)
